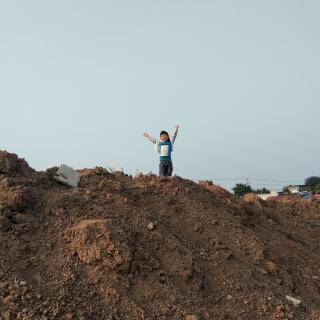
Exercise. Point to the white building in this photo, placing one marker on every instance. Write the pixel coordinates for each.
(295, 188)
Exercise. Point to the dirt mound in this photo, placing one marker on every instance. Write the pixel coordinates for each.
(251, 197)
(11, 164)
(215, 188)
(119, 247)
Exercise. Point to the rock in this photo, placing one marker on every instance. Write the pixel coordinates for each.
(229, 297)
(67, 176)
(250, 197)
(294, 301)
(262, 270)
(191, 317)
(22, 283)
(150, 226)
(68, 316)
(8, 300)
(214, 222)
(271, 267)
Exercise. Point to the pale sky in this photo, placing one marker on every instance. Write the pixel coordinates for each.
(81, 81)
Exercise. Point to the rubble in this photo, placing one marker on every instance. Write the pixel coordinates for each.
(294, 301)
(67, 176)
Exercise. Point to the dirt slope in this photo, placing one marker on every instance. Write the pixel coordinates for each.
(139, 248)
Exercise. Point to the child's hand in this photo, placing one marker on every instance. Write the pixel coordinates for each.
(145, 135)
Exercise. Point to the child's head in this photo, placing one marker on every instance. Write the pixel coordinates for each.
(164, 136)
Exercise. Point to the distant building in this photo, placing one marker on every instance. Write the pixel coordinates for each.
(296, 188)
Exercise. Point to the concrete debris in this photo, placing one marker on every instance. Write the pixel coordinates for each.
(294, 301)
(67, 176)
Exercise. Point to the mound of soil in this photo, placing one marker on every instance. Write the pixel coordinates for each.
(11, 164)
(121, 247)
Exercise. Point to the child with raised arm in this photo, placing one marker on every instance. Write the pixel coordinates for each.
(164, 147)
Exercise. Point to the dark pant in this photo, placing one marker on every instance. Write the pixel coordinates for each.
(165, 168)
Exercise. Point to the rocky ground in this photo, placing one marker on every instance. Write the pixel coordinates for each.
(121, 247)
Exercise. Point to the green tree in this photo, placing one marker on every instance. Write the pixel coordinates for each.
(262, 191)
(241, 189)
(313, 184)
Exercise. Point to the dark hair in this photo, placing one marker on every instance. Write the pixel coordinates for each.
(165, 132)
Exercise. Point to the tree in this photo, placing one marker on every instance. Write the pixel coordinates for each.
(262, 191)
(313, 183)
(286, 190)
(241, 189)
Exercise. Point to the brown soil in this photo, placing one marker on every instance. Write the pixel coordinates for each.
(121, 248)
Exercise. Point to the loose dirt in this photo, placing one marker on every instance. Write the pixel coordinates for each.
(133, 248)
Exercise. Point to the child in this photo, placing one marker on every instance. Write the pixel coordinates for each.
(164, 147)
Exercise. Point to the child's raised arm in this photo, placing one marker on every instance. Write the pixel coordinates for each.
(175, 133)
(153, 140)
